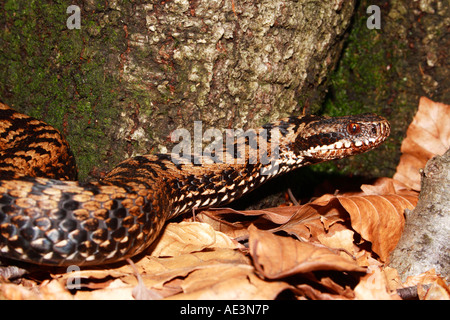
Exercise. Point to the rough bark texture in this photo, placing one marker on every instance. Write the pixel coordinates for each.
(425, 240)
(137, 70)
(231, 63)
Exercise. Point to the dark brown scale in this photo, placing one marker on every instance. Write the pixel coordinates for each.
(46, 220)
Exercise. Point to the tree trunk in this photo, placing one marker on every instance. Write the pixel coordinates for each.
(137, 70)
(425, 240)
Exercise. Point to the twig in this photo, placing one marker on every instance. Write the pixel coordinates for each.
(411, 293)
(291, 196)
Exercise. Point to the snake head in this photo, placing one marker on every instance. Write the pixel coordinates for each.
(321, 139)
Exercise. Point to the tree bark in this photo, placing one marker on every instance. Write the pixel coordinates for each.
(425, 240)
(137, 70)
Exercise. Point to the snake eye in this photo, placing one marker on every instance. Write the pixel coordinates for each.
(353, 128)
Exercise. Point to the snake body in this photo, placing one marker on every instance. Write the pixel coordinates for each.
(48, 218)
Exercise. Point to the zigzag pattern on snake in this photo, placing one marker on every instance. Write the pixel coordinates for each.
(46, 218)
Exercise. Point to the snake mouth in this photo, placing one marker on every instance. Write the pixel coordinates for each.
(342, 148)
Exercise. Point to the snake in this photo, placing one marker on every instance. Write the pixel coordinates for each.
(47, 217)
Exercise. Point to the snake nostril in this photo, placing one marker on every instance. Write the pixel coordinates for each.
(374, 130)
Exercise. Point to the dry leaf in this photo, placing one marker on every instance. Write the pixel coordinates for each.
(230, 283)
(233, 229)
(186, 237)
(12, 291)
(374, 286)
(428, 135)
(378, 219)
(218, 274)
(339, 239)
(384, 186)
(313, 219)
(278, 215)
(276, 257)
(158, 273)
(437, 292)
(115, 290)
(309, 291)
(234, 223)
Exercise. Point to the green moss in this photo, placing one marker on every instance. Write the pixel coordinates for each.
(363, 82)
(361, 73)
(51, 72)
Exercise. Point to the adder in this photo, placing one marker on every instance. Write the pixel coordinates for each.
(48, 218)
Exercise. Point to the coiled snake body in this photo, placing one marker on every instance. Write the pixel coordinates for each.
(46, 218)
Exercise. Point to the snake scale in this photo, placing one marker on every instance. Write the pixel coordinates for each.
(48, 218)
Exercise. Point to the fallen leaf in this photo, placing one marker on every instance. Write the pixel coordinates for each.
(277, 257)
(13, 291)
(384, 186)
(278, 215)
(437, 291)
(313, 219)
(220, 221)
(234, 223)
(140, 291)
(157, 273)
(309, 291)
(339, 239)
(216, 274)
(378, 219)
(374, 286)
(185, 237)
(115, 290)
(229, 283)
(428, 135)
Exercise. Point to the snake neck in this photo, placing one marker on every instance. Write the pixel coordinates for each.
(220, 175)
(223, 174)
